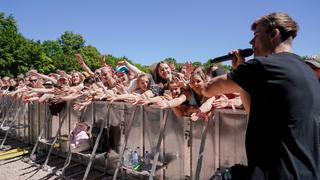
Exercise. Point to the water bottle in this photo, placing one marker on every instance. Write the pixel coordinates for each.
(139, 154)
(218, 175)
(135, 158)
(227, 175)
(146, 160)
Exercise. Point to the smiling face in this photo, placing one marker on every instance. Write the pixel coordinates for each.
(122, 78)
(143, 83)
(76, 78)
(164, 71)
(196, 82)
(175, 90)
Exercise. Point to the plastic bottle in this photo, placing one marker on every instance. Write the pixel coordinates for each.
(218, 175)
(146, 160)
(135, 158)
(139, 154)
(227, 175)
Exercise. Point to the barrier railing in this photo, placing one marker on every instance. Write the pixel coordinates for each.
(179, 146)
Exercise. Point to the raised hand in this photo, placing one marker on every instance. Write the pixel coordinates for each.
(79, 59)
(120, 63)
(103, 61)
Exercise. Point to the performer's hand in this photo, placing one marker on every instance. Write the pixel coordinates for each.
(237, 60)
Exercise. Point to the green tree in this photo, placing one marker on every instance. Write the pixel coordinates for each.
(53, 50)
(91, 56)
(9, 42)
(18, 54)
(71, 44)
(170, 60)
(196, 63)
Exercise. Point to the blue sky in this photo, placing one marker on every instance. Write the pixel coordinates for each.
(148, 31)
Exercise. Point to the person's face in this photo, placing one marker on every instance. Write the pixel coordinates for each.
(76, 78)
(196, 82)
(183, 70)
(62, 82)
(97, 73)
(5, 82)
(110, 81)
(175, 90)
(122, 78)
(105, 73)
(143, 83)
(164, 71)
(261, 42)
(21, 83)
(12, 82)
(172, 66)
(33, 82)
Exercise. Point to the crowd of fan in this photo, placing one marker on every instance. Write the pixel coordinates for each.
(164, 87)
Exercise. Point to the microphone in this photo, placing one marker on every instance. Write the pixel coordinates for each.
(243, 52)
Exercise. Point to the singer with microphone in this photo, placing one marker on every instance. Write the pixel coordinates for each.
(282, 137)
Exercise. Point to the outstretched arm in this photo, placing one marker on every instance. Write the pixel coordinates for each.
(83, 64)
(35, 73)
(203, 109)
(220, 85)
(131, 67)
(173, 102)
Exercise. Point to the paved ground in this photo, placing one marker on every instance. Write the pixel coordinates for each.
(15, 168)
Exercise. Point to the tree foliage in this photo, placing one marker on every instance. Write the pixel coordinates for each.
(19, 54)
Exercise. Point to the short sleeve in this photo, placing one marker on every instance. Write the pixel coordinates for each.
(248, 75)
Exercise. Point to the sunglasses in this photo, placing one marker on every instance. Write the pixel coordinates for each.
(33, 80)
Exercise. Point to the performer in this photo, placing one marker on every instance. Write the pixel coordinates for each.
(282, 139)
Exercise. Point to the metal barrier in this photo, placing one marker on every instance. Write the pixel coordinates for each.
(180, 143)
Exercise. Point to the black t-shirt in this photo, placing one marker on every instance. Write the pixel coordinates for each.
(282, 139)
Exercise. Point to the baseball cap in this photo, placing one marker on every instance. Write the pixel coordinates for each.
(48, 83)
(122, 69)
(314, 60)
